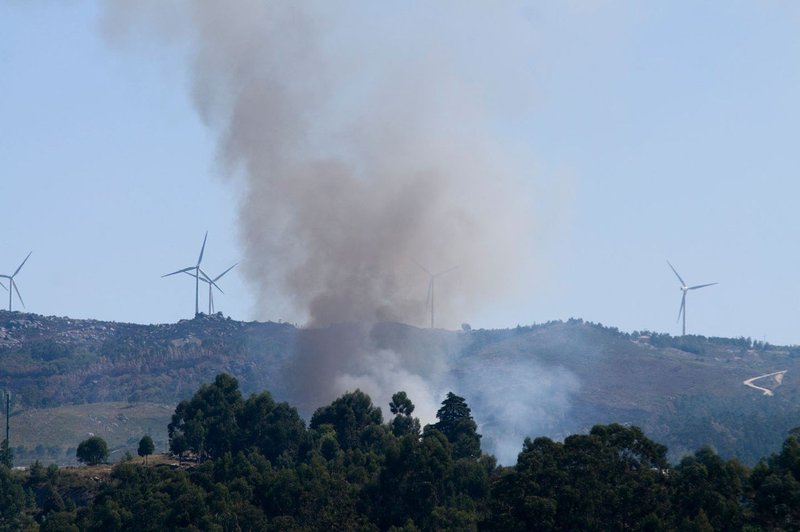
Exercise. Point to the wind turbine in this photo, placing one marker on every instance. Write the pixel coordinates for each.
(12, 284)
(685, 289)
(196, 276)
(432, 278)
(212, 283)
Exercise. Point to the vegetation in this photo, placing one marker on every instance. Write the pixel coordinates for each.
(92, 451)
(73, 377)
(350, 470)
(146, 447)
(6, 454)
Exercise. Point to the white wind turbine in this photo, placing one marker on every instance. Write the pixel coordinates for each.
(685, 289)
(196, 276)
(13, 284)
(212, 283)
(431, 283)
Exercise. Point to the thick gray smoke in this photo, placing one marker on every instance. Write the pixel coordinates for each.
(364, 136)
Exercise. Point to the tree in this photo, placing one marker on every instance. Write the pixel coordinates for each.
(179, 445)
(401, 404)
(13, 501)
(351, 415)
(146, 447)
(209, 420)
(92, 451)
(402, 407)
(272, 428)
(456, 423)
(6, 454)
(775, 484)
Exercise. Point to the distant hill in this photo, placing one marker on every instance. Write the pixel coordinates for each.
(550, 379)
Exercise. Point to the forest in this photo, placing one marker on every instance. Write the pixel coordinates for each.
(253, 464)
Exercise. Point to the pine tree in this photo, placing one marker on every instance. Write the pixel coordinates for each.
(456, 423)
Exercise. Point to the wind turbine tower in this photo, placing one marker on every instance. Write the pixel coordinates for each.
(212, 283)
(431, 284)
(196, 276)
(13, 284)
(685, 289)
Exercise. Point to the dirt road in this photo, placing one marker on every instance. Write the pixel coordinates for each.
(778, 378)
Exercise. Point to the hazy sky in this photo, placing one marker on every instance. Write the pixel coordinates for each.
(653, 132)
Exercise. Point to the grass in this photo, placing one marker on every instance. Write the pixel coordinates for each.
(51, 435)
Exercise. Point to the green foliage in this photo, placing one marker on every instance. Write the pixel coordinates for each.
(13, 500)
(60, 521)
(178, 444)
(610, 479)
(217, 421)
(127, 362)
(709, 489)
(352, 471)
(403, 423)
(776, 486)
(209, 420)
(92, 451)
(401, 404)
(351, 416)
(456, 423)
(6, 454)
(146, 447)
(272, 428)
(37, 472)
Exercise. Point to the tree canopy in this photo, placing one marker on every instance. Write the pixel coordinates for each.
(92, 451)
(146, 447)
(350, 470)
(456, 423)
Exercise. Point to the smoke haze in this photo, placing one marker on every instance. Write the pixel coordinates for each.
(363, 137)
(361, 145)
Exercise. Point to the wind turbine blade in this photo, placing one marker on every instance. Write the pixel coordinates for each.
(202, 249)
(421, 267)
(204, 276)
(21, 265)
(179, 271)
(445, 271)
(4, 287)
(701, 286)
(683, 307)
(676, 274)
(17, 291)
(217, 278)
(194, 275)
(210, 281)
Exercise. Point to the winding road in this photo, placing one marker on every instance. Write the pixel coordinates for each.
(778, 378)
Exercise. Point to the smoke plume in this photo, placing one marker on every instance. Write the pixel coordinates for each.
(364, 136)
(364, 139)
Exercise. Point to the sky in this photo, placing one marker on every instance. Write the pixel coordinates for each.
(650, 132)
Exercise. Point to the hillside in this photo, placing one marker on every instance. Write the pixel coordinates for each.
(50, 361)
(550, 379)
(684, 392)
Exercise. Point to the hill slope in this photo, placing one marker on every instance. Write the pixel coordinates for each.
(551, 379)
